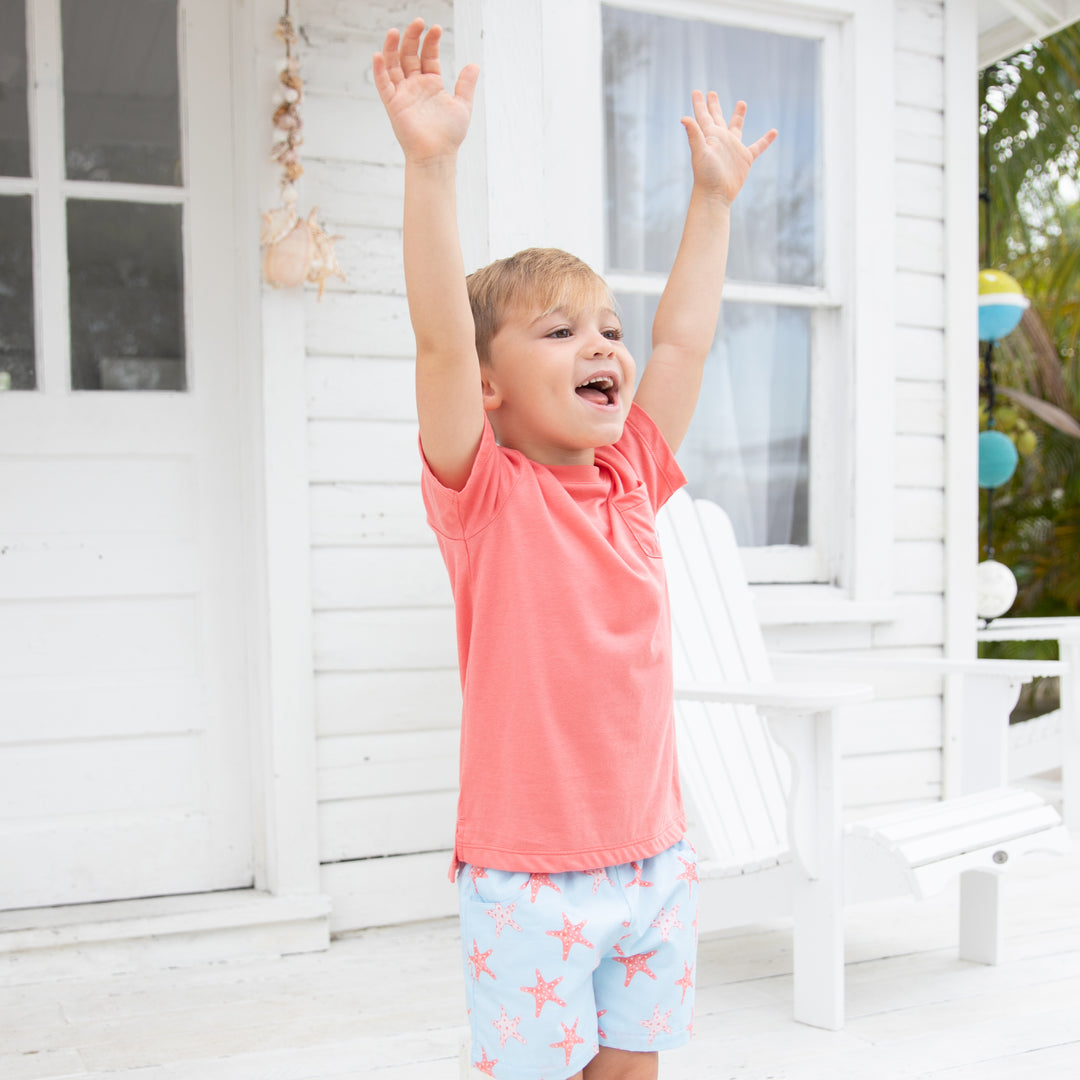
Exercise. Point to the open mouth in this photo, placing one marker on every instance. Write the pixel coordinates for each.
(599, 390)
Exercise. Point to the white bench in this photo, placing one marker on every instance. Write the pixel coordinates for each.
(760, 771)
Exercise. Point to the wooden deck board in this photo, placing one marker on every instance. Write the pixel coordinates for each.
(388, 1004)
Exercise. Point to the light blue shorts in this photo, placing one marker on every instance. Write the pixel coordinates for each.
(557, 965)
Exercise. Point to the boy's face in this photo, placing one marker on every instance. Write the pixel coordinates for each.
(559, 383)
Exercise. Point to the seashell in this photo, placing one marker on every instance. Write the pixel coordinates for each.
(287, 261)
(277, 224)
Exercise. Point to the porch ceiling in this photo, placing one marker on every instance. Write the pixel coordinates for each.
(1007, 25)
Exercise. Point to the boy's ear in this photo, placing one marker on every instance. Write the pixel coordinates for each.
(492, 396)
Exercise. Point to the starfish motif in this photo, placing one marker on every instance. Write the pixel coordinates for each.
(687, 981)
(599, 876)
(656, 1025)
(599, 1030)
(634, 964)
(570, 1040)
(485, 1066)
(504, 917)
(544, 992)
(637, 877)
(475, 873)
(571, 935)
(689, 875)
(478, 961)
(667, 922)
(536, 882)
(506, 1026)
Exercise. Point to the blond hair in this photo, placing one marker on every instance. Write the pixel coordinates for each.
(544, 278)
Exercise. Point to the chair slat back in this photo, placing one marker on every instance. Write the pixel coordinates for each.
(736, 778)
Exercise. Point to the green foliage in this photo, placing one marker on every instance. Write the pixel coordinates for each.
(1030, 122)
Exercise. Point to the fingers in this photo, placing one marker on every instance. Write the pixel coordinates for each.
(410, 47)
(766, 140)
(429, 54)
(383, 83)
(466, 83)
(737, 118)
(693, 134)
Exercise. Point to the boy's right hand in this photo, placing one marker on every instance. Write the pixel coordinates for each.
(429, 122)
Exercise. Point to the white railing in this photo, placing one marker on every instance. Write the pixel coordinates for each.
(1065, 630)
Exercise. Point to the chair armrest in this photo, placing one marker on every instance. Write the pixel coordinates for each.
(801, 697)
(1021, 670)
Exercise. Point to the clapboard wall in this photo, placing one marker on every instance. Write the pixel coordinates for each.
(387, 694)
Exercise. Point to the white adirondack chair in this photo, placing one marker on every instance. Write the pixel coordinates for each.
(760, 772)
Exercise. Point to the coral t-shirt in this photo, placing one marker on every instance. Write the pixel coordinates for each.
(564, 646)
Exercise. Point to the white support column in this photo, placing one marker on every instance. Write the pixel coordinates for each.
(531, 169)
(961, 364)
(284, 763)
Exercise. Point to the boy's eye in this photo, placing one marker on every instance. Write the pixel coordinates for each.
(615, 334)
(562, 332)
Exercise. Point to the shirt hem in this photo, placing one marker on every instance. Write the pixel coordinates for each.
(559, 862)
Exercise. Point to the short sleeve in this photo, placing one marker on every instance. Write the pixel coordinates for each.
(458, 515)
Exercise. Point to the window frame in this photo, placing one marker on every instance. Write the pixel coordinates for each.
(558, 183)
(827, 302)
(50, 190)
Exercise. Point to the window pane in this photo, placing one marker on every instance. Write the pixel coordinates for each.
(126, 296)
(651, 63)
(16, 294)
(748, 446)
(121, 91)
(14, 130)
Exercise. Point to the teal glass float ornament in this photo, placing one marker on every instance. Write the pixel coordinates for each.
(998, 458)
(1001, 304)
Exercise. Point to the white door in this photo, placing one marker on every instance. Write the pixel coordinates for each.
(124, 768)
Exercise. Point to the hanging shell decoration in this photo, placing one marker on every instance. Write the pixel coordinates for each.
(295, 249)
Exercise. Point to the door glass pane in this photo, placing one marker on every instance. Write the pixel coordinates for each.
(16, 295)
(14, 129)
(126, 296)
(651, 63)
(748, 445)
(121, 91)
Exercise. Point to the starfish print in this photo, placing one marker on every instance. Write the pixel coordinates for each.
(634, 964)
(657, 1024)
(637, 877)
(687, 981)
(506, 1026)
(667, 922)
(689, 875)
(537, 881)
(570, 1040)
(570, 934)
(544, 992)
(478, 961)
(599, 876)
(599, 1030)
(475, 873)
(504, 917)
(485, 1066)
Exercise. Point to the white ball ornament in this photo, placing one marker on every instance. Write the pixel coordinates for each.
(995, 589)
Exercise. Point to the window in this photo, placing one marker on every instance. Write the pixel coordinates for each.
(92, 195)
(756, 446)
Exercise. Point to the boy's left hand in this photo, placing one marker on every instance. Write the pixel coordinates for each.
(720, 161)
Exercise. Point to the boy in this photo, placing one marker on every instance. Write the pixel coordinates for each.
(543, 470)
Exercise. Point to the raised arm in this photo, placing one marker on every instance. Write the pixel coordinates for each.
(686, 316)
(430, 124)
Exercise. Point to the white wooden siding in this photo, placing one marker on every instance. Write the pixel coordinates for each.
(386, 687)
(387, 696)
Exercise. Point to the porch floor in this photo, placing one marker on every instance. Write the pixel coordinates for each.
(388, 1004)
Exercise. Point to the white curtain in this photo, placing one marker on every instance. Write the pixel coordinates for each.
(748, 447)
